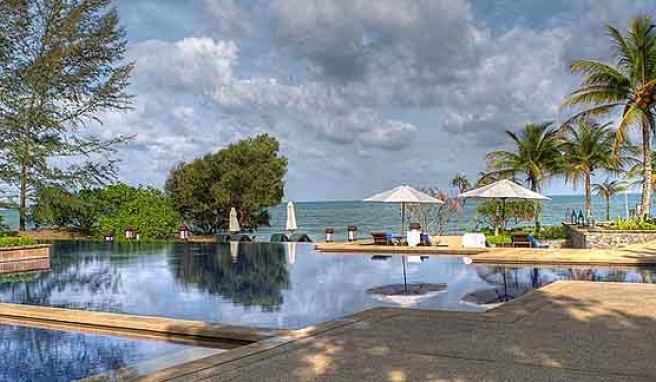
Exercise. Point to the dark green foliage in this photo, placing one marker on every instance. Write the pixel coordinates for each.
(61, 66)
(247, 175)
(145, 210)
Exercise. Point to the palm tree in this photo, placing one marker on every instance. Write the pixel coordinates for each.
(606, 190)
(461, 182)
(588, 147)
(536, 156)
(628, 85)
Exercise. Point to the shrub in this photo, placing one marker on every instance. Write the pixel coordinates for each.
(10, 241)
(639, 224)
(499, 239)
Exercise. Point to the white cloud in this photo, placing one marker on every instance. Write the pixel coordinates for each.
(363, 94)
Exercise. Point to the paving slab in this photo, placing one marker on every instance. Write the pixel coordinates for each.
(568, 331)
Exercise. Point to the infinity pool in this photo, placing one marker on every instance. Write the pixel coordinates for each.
(264, 285)
(31, 354)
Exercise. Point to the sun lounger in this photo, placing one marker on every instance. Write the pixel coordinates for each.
(300, 238)
(520, 239)
(535, 243)
(382, 238)
(279, 238)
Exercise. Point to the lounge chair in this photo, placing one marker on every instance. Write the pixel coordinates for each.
(520, 239)
(279, 238)
(300, 238)
(535, 243)
(382, 238)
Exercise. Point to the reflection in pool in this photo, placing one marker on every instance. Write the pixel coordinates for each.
(32, 354)
(260, 284)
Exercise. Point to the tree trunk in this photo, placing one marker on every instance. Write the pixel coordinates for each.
(607, 200)
(588, 203)
(646, 174)
(22, 199)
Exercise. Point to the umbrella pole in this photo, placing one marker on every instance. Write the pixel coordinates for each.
(402, 220)
(503, 213)
(496, 226)
(405, 279)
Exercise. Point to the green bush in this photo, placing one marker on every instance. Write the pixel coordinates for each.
(555, 232)
(145, 210)
(10, 241)
(639, 224)
(496, 240)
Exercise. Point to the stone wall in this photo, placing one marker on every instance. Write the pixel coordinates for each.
(28, 252)
(605, 239)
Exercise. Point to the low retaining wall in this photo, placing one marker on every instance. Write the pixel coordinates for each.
(27, 252)
(606, 239)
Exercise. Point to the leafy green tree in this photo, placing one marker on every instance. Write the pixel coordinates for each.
(516, 212)
(114, 208)
(61, 67)
(460, 182)
(145, 210)
(588, 147)
(606, 190)
(628, 84)
(247, 175)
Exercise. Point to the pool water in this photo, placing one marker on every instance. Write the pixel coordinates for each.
(31, 354)
(261, 284)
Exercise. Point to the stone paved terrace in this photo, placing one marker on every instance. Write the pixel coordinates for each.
(568, 331)
(633, 255)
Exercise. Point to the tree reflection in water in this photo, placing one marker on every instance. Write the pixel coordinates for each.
(83, 269)
(256, 276)
(30, 354)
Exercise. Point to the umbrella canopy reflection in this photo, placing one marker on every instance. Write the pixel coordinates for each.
(406, 295)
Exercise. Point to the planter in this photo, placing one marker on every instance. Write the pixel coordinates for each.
(25, 252)
(607, 238)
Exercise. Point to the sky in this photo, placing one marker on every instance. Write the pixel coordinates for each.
(363, 95)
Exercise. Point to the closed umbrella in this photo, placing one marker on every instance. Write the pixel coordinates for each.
(291, 217)
(233, 225)
(504, 190)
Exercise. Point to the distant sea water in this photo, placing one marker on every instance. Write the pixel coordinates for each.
(314, 217)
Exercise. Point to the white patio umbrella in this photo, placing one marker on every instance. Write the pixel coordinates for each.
(233, 225)
(291, 217)
(504, 190)
(403, 195)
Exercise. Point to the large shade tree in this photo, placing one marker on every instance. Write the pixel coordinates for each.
(588, 147)
(61, 67)
(247, 175)
(626, 85)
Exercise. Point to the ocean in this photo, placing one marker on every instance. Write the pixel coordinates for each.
(314, 217)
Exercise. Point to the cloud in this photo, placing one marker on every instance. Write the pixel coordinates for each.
(363, 94)
(190, 101)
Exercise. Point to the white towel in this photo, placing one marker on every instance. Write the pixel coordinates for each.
(473, 240)
(413, 237)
